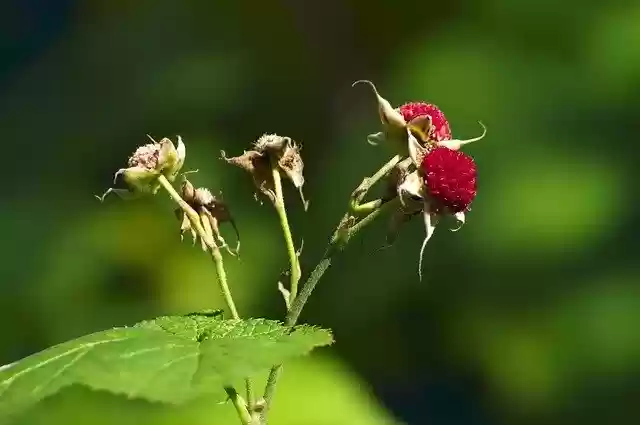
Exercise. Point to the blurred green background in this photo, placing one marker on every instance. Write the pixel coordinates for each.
(528, 315)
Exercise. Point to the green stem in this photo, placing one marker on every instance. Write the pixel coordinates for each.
(366, 208)
(222, 281)
(336, 245)
(281, 209)
(368, 182)
(240, 405)
(250, 396)
(226, 292)
(201, 224)
(216, 255)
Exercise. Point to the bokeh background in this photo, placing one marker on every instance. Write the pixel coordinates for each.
(528, 315)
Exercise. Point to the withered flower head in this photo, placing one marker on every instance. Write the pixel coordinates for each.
(272, 150)
(149, 162)
(212, 210)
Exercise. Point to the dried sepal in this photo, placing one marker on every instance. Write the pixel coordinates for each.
(186, 226)
(395, 130)
(376, 138)
(411, 190)
(286, 295)
(290, 162)
(417, 151)
(455, 144)
(272, 150)
(212, 211)
(460, 218)
(421, 126)
(414, 200)
(188, 191)
(218, 213)
(139, 179)
(208, 229)
(430, 222)
(171, 158)
(389, 116)
(257, 164)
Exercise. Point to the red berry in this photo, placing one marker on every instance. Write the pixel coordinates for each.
(450, 177)
(440, 124)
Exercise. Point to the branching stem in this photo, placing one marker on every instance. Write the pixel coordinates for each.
(336, 245)
(240, 405)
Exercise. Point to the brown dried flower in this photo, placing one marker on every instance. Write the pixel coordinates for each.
(271, 150)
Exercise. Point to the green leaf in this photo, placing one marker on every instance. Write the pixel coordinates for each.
(170, 359)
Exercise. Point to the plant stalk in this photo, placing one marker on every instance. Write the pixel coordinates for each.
(203, 227)
(281, 209)
(336, 245)
(240, 405)
(216, 255)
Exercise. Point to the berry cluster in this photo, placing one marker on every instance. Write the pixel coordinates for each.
(449, 175)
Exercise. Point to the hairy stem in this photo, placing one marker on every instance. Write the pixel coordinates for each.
(251, 404)
(240, 405)
(362, 190)
(336, 245)
(281, 209)
(333, 248)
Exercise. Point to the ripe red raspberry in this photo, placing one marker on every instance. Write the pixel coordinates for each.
(450, 177)
(441, 129)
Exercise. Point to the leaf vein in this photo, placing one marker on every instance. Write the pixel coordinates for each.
(88, 346)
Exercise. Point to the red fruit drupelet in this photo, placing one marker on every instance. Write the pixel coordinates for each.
(450, 177)
(412, 110)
